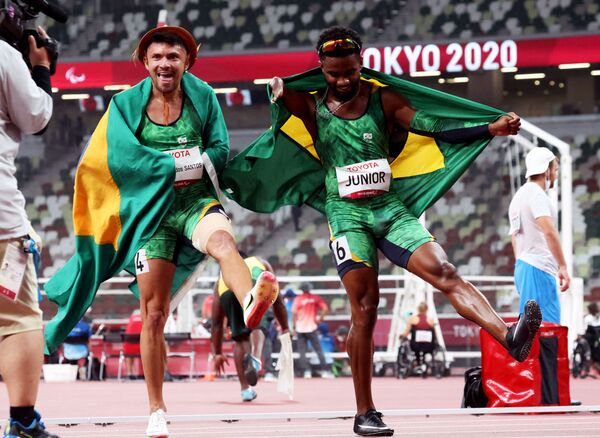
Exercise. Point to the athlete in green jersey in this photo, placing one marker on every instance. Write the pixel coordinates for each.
(351, 123)
(194, 134)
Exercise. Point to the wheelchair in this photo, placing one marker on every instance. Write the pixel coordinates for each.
(420, 356)
(586, 353)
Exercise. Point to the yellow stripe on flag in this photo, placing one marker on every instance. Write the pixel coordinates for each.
(97, 199)
(295, 129)
(420, 155)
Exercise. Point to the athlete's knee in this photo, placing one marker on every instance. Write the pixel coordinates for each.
(210, 231)
(154, 320)
(364, 314)
(448, 277)
(221, 246)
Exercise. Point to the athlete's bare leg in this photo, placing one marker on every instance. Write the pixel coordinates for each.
(236, 275)
(430, 263)
(155, 287)
(240, 349)
(363, 292)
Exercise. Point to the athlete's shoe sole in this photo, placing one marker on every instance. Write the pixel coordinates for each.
(533, 319)
(262, 296)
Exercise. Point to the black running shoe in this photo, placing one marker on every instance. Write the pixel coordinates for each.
(520, 336)
(250, 369)
(370, 424)
(36, 429)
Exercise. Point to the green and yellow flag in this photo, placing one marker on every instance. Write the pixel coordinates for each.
(281, 167)
(122, 191)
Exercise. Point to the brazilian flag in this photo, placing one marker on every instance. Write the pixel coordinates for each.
(122, 191)
(282, 167)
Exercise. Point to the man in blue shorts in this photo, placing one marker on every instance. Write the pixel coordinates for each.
(535, 239)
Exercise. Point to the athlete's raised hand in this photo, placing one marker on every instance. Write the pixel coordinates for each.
(508, 124)
(276, 85)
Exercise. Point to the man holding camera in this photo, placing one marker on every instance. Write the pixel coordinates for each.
(25, 108)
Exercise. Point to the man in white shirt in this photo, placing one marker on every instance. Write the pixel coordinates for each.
(535, 239)
(25, 108)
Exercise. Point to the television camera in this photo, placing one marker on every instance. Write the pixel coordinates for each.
(15, 28)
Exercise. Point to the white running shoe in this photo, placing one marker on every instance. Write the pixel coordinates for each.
(157, 425)
(327, 375)
(261, 296)
(308, 374)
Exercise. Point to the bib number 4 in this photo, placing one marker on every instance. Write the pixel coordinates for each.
(141, 262)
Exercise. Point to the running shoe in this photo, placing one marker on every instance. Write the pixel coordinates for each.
(370, 424)
(157, 425)
(252, 366)
(36, 429)
(261, 296)
(520, 335)
(248, 394)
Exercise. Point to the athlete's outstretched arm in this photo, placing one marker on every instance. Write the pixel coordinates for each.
(398, 111)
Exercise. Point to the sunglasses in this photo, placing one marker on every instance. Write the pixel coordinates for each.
(337, 45)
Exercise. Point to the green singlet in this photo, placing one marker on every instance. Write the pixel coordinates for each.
(363, 213)
(193, 199)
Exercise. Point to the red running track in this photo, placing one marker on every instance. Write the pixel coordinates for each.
(128, 399)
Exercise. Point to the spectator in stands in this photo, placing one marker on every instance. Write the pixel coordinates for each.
(179, 115)
(535, 239)
(25, 108)
(248, 342)
(308, 312)
(350, 122)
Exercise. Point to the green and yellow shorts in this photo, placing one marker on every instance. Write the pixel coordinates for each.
(177, 226)
(359, 227)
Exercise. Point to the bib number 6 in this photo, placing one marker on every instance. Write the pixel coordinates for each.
(341, 250)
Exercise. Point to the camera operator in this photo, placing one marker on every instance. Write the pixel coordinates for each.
(25, 108)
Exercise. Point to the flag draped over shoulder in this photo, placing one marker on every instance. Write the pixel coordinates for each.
(122, 191)
(282, 167)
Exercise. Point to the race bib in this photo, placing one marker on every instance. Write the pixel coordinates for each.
(341, 250)
(141, 262)
(423, 336)
(188, 165)
(12, 270)
(363, 180)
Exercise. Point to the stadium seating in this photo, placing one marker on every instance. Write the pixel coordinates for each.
(110, 29)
